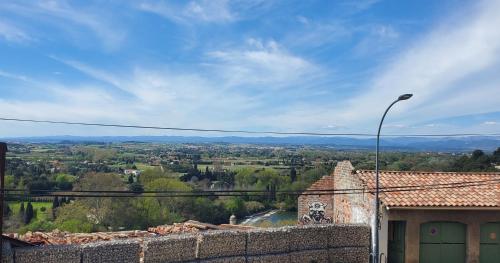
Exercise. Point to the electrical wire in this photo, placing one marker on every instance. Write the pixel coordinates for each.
(267, 193)
(246, 131)
(257, 191)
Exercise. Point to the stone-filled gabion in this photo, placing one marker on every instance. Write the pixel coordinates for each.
(225, 260)
(48, 254)
(221, 244)
(7, 254)
(314, 243)
(111, 251)
(349, 254)
(268, 241)
(349, 236)
(309, 237)
(282, 258)
(173, 248)
(310, 256)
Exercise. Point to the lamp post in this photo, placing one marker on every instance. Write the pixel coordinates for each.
(376, 252)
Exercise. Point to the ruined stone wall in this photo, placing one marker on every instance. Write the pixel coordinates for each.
(313, 243)
(314, 208)
(307, 203)
(354, 207)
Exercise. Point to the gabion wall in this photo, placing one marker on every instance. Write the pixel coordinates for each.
(313, 243)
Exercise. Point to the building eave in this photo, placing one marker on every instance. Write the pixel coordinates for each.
(487, 208)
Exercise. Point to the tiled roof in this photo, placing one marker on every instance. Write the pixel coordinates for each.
(436, 189)
(325, 183)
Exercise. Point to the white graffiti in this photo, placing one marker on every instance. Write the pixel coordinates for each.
(316, 214)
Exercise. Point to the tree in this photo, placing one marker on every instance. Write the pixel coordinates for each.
(236, 206)
(136, 187)
(477, 153)
(6, 209)
(174, 204)
(293, 174)
(21, 211)
(496, 156)
(55, 203)
(73, 218)
(28, 215)
(100, 207)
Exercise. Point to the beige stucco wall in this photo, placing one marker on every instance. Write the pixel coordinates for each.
(472, 218)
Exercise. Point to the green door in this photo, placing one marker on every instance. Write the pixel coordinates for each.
(442, 242)
(489, 250)
(396, 242)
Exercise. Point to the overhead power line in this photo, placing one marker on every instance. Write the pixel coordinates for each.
(207, 192)
(245, 131)
(102, 194)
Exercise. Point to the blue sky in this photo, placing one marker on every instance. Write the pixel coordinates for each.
(323, 66)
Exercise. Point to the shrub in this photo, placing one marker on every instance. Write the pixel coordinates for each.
(253, 207)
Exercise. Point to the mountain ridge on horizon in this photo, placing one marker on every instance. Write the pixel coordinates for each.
(450, 144)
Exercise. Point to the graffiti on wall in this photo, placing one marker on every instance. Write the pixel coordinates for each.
(316, 214)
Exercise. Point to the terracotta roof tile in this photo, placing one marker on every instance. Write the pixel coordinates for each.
(435, 189)
(325, 183)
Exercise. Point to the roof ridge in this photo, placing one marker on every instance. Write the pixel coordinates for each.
(428, 172)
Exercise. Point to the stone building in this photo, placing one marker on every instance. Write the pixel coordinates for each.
(426, 217)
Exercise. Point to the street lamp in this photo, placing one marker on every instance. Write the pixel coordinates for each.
(376, 251)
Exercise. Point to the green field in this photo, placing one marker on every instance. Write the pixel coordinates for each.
(15, 205)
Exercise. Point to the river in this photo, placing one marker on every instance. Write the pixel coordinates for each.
(274, 217)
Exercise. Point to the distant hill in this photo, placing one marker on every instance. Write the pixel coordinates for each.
(447, 144)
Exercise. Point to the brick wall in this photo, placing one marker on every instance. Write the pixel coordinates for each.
(350, 208)
(338, 208)
(313, 243)
(310, 205)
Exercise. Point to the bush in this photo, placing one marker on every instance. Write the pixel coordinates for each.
(236, 206)
(43, 209)
(38, 225)
(253, 207)
(76, 226)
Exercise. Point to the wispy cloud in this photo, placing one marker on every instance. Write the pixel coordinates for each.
(13, 33)
(61, 14)
(205, 11)
(443, 70)
(490, 123)
(14, 76)
(261, 64)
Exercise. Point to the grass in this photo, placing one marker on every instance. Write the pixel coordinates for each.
(142, 166)
(15, 205)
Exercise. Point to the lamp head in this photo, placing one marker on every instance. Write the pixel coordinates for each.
(405, 96)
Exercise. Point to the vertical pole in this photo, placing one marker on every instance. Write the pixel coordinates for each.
(376, 224)
(3, 151)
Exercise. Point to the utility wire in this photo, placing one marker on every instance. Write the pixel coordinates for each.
(310, 192)
(246, 131)
(400, 187)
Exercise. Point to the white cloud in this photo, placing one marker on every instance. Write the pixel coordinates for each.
(443, 70)
(261, 64)
(12, 33)
(360, 5)
(64, 16)
(203, 11)
(14, 76)
(490, 123)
